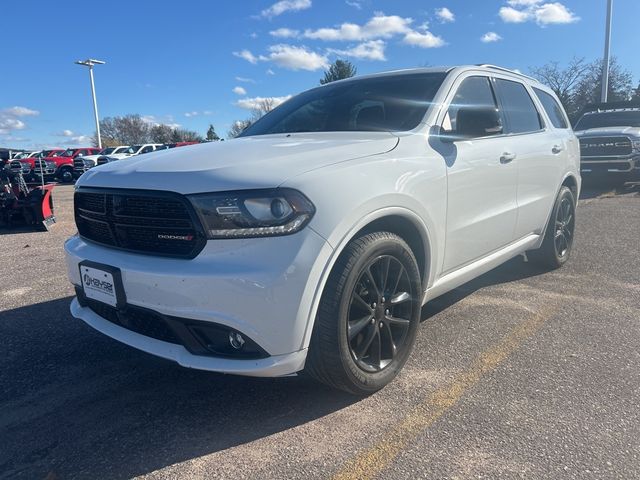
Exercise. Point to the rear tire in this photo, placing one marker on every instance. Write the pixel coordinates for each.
(558, 239)
(368, 315)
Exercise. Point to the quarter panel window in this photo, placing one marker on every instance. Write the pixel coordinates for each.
(553, 109)
(519, 110)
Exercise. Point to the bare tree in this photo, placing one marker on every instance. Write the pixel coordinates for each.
(579, 83)
(263, 107)
(563, 81)
(161, 133)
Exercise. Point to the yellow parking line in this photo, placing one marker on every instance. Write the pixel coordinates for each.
(374, 460)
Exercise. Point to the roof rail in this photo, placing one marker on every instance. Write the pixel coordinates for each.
(502, 69)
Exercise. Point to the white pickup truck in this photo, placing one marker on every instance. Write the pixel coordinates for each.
(129, 152)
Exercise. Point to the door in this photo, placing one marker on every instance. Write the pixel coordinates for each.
(481, 176)
(539, 150)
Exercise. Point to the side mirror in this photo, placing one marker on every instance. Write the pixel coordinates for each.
(474, 122)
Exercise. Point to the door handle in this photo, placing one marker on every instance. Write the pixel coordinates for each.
(507, 157)
(556, 149)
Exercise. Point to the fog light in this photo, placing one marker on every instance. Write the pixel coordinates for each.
(236, 340)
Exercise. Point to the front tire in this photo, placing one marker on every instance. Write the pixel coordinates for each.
(558, 239)
(66, 175)
(368, 315)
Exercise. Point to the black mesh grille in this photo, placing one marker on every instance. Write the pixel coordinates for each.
(155, 223)
(605, 146)
(137, 320)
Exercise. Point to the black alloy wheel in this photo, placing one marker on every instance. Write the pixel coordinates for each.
(380, 313)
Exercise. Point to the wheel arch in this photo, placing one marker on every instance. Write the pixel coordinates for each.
(401, 221)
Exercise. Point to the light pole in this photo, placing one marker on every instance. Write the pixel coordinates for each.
(607, 47)
(90, 63)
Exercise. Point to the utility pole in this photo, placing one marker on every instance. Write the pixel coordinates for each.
(90, 63)
(607, 48)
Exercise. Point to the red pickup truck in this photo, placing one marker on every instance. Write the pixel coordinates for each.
(64, 162)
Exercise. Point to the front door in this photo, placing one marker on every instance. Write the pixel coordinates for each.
(481, 179)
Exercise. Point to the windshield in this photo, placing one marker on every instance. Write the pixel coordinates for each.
(626, 118)
(107, 151)
(21, 155)
(388, 103)
(133, 150)
(68, 153)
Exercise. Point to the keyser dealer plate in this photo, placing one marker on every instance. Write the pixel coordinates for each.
(102, 283)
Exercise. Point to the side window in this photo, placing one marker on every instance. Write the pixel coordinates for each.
(553, 109)
(473, 111)
(147, 149)
(519, 110)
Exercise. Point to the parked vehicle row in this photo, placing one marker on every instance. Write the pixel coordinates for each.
(121, 152)
(62, 165)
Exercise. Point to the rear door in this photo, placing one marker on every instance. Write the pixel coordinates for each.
(481, 181)
(539, 155)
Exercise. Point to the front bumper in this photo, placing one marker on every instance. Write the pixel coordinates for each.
(619, 165)
(264, 288)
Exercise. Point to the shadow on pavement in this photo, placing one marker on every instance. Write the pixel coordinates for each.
(515, 269)
(75, 403)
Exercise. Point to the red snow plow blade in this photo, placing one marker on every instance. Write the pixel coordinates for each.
(26, 205)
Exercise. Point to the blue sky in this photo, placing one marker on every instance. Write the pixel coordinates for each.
(192, 63)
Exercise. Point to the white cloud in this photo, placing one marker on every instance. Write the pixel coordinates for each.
(520, 11)
(8, 124)
(9, 120)
(445, 15)
(423, 40)
(255, 102)
(270, 72)
(245, 80)
(79, 140)
(283, 6)
(239, 90)
(490, 37)
(246, 55)
(153, 120)
(371, 50)
(511, 15)
(284, 33)
(354, 3)
(21, 112)
(379, 26)
(295, 58)
(191, 114)
(65, 133)
(554, 13)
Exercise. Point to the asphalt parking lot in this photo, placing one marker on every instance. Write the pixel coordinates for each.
(519, 374)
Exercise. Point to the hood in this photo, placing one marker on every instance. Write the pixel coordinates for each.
(243, 163)
(609, 131)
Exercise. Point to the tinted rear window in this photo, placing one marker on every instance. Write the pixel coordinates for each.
(518, 107)
(389, 103)
(553, 109)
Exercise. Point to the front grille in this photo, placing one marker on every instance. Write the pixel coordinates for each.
(41, 166)
(78, 164)
(139, 320)
(16, 166)
(605, 146)
(156, 223)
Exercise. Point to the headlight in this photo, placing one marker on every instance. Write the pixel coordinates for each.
(89, 163)
(636, 145)
(50, 164)
(252, 213)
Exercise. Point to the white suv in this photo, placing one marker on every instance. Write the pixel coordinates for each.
(313, 240)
